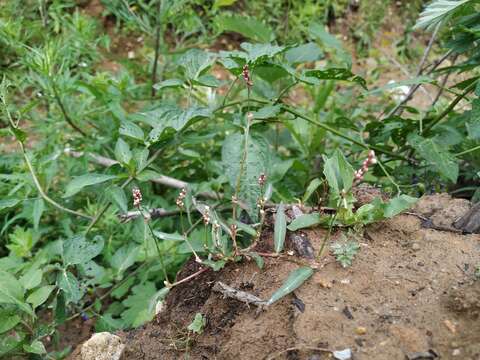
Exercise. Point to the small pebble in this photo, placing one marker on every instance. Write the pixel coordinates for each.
(361, 330)
(456, 352)
(416, 247)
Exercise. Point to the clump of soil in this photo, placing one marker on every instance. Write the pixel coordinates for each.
(410, 293)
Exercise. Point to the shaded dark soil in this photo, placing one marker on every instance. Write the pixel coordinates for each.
(411, 291)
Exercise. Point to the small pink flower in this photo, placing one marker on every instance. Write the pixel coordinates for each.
(137, 197)
(246, 76)
(370, 160)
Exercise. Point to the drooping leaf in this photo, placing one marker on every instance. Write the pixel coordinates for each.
(40, 295)
(257, 162)
(280, 229)
(314, 184)
(436, 156)
(306, 221)
(171, 237)
(293, 281)
(79, 249)
(38, 207)
(36, 347)
(267, 112)
(248, 27)
(195, 61)
(437, 11)
(82, 181)
(257, 53)
(339, 173)
(8, 203)
(398, 204)
(169, 83)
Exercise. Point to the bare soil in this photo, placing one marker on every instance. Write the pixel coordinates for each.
(410, 293)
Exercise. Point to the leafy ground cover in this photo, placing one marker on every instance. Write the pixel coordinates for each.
(136, 135)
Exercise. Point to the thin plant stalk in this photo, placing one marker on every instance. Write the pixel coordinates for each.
(158, 35)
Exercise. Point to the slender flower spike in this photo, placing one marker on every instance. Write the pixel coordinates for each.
(370, 160)
(137, 197)
(206, 215)
(179, 201)
(246, 76)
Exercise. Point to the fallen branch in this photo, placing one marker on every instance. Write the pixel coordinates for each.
(239, 295)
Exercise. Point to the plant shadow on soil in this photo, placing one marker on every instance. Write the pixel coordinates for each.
(411, 292)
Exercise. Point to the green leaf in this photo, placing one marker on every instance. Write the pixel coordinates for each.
(78, 249)
(21, 242)
(169, 83)
(246, 228)
(197, 324)
(306, 221)
(257, 53)
(318, 31)
(38, 207)
(258, 259)
(304, 53)
(9, 319)
(337, 74)
(257, 162)
(11, 290)
(248, 27)
(219, 3)
(70, 286)
(280, 229)
(195, 61)
(36, 347)
(118, 197)
(294, 280)
(314, 184)
(170, 237)
(267, 112)
(131, 130)
(437, 11)
(124, 257)
(339, 173)
(80, 182)
(138, 310)
(215, 265)
(40, 295)
(8, 203)
(436, 156)
(123, 154)
(32, 278)
(11, 342)
(396, 205)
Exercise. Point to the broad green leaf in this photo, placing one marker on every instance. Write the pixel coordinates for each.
(8, 203)
(168, 120)
(170, 237)
(306, 221)
(78, 249)
(36, 347)
(257, 162)
(246, 228)
(40, 295)
(339, 173)
(197, 324)
(118, 197)
(304, 53)
(258, 259)
(436, 156)
(9, 319)
(124, 258)
(195, 61)
(32, 278)
(11, 290)
(215, 265)
(123, 154)
(131, 130)
(219, 3)
(70, 286)
(396, 205)
(248, 27)
(138, 310)
(257, 53)
(318, 31)
(82, 181)
(337, 74)
(437, 11)
(21, 242)
(38, 207)
(280, 229)
(267, 112)
(294, 280)
(314, 184)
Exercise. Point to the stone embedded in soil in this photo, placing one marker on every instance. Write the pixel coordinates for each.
(102, 346)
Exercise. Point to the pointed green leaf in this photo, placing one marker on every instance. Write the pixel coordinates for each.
(294, 280)
(280, 229)
(38, 207)
(396, 205)
(80, 182)
(123, 154)
(131, 130)
(40, 295)
(339, 173)
(78, 249)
